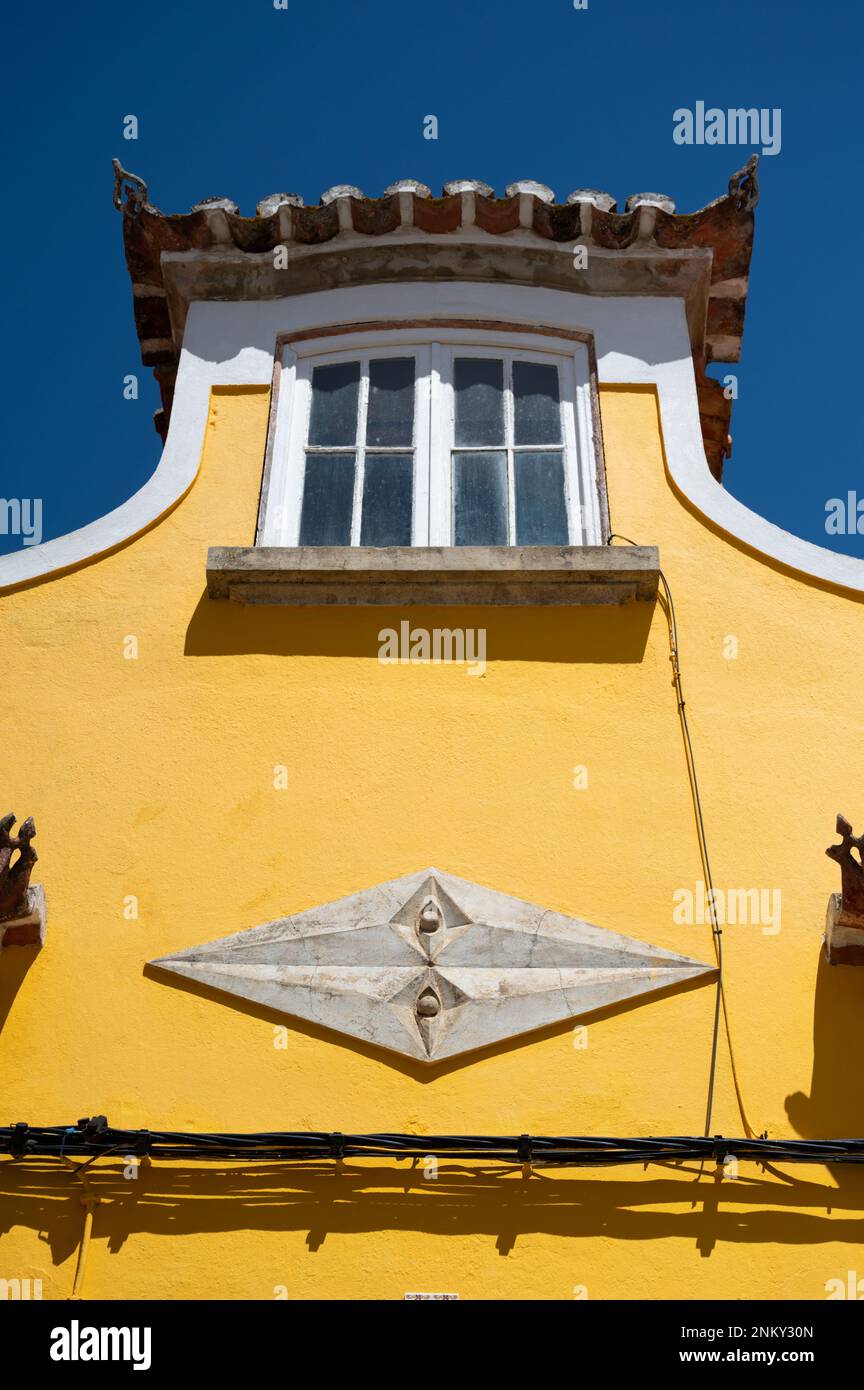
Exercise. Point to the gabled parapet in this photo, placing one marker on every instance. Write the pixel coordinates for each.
(212, 252)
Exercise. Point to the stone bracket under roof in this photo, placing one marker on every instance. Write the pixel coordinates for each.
(526, 237)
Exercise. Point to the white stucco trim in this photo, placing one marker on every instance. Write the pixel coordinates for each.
(638, 340)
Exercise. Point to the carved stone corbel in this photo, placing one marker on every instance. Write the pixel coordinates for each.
(22, 904)
(844, 930)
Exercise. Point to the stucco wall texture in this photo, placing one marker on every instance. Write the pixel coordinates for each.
(153, 777)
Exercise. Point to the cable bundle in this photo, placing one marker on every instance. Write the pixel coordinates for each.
(95, 1138)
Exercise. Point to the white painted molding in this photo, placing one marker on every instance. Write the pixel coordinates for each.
(174, 475)
(639, 340)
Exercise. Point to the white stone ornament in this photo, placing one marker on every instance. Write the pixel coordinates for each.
(432, 966)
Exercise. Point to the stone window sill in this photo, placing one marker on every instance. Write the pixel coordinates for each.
(433, 575)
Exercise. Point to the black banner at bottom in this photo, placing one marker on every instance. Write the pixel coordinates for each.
(240, 1340)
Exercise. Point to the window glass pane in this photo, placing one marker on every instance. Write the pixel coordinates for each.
(328, 496)
(541, 512)
(480, 499)
(536, 403)
(390, 420)
(479, 385)
(335, 393)
(388, 485)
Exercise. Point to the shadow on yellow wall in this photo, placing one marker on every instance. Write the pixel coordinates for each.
(590, 634)
(834, 1108)
(175, 1200)
(14, 965)
(417, 1071)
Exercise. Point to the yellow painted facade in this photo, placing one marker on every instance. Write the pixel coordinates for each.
(152, 776)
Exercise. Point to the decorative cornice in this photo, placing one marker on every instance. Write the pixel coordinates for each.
(468, 210)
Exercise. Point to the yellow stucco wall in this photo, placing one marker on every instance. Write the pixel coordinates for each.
(154, 777)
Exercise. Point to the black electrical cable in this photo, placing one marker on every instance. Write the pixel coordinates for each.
(25, 1142)
(700, 830)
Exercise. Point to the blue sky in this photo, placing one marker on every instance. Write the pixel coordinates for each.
(241, 100)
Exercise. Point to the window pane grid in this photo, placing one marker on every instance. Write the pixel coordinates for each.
(388, 496)
(385, 462)
(467, 488)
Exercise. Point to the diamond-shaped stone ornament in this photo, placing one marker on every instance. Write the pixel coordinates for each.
(432, 966)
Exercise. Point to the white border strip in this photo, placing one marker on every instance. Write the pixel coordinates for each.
(639, 340)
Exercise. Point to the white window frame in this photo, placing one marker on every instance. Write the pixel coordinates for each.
(434, 350)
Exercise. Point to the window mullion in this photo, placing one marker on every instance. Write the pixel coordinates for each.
(423, 446)
(441, 443)
(510, 438)
(581, 529)
(360, 459)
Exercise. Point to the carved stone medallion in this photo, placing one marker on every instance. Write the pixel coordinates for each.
(432, 966)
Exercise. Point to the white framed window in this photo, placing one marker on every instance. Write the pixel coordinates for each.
(424, 438)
